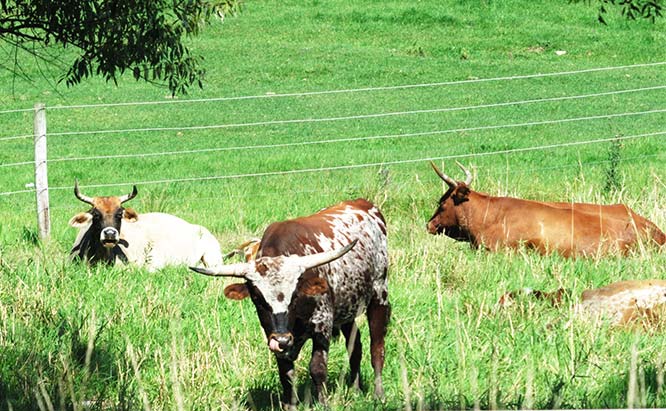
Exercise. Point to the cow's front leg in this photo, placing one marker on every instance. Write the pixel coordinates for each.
(286, 370)
(319, 365)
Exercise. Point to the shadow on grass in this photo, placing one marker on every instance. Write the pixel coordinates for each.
(648, 392)
(53, 369)
(267, 398)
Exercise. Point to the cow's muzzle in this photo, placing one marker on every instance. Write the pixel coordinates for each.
(109, 237)
(434, 228)
(280, 342)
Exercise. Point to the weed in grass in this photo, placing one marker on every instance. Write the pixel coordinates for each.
(613, 181)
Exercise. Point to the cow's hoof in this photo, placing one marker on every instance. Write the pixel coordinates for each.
(356, 384)
(379, 393)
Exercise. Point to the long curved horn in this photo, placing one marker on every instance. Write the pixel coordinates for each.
(315, 260)
(128, 197)
(237, 270)
(84, 198)
(468, 174)
(448, 180)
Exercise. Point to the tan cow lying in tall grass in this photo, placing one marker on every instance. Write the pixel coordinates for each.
(632, 302)
(577, 229)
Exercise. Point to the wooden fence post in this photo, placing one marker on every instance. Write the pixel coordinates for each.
(41, 178)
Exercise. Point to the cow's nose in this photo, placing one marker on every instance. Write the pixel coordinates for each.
(110, 232)
(284, 341)
(109, 237)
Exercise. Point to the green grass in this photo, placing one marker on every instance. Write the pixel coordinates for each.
(172, 340)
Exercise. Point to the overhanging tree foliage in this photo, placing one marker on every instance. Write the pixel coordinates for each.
(631, 9)
(114, 36)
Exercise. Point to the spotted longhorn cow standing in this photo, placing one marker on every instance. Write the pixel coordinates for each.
(109, 232)
(572, 229)
(313, 276)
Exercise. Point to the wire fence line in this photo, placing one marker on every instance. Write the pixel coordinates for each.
(358, 90)
(352, 189)
(343, 118)
(354, 166)
(338, 140)
(16, 137)
(355, 117)
(18, 110)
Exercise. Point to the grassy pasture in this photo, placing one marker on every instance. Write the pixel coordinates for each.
(79, 338)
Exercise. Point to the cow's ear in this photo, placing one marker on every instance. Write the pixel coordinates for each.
(80, 220)
(236, 291)
(314, 286)
(130, 215)
(461, 195)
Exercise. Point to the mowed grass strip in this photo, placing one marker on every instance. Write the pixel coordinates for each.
(121, 338)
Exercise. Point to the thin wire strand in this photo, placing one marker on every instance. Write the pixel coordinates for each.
(356, 117)
(357, 166)
(18, 110)
(364, 89)
(16, 137)
(339, 140)
(343, 118)
(354, 188)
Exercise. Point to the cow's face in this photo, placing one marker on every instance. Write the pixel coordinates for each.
(278, 289)
(445, 220)
(105, 217)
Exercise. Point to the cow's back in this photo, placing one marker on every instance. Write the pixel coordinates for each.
(354, 277)
(554, 227)
(625, 301)
(644, 228)
(159, 239)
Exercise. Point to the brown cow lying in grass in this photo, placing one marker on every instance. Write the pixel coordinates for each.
(572, 229)
(248, 250)
(640, 302)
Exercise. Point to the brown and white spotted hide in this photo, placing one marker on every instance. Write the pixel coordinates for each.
(623, 303)
(296, 300)
(641, 302)
(248, 250)
(109, 232)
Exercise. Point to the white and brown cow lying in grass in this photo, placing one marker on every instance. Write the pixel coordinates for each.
(109, 232)
(633, 302)
(313, 276)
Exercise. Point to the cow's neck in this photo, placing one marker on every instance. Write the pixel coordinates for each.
(474, 214)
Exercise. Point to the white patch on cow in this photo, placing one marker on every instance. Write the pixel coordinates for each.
(370, 253)
(280, 279)
(644, 296)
